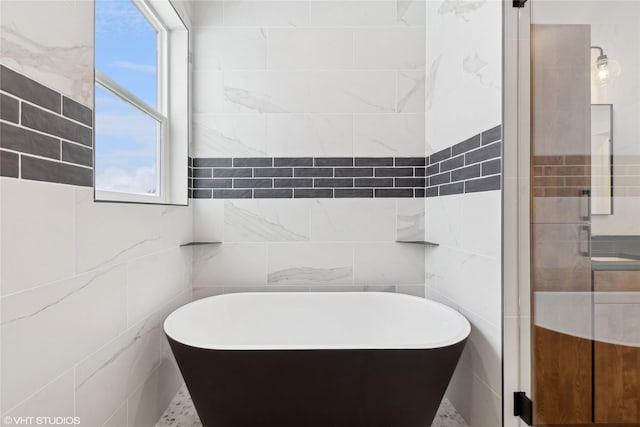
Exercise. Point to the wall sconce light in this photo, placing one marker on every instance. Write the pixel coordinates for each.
(605, 69)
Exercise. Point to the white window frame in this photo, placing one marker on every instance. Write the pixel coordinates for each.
(159, 114)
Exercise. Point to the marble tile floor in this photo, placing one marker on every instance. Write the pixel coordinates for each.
(181, 413)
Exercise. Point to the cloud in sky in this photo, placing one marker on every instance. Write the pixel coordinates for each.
(141, 181)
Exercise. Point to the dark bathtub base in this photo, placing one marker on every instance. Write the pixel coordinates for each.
(316, 388)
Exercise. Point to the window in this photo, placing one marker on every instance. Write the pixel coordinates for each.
(138, 133)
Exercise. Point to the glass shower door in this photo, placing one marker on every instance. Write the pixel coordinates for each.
(585, 212)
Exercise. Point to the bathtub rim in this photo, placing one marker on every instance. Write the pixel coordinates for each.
(461, 336)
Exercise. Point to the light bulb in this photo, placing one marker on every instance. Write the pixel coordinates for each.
(606, 70)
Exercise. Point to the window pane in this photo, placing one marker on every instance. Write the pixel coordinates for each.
(126, 48)
(126, 146)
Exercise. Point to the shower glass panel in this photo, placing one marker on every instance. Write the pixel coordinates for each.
(584, 123)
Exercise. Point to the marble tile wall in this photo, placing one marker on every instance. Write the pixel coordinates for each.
(84, 286)
(308, 79)
(463, 98)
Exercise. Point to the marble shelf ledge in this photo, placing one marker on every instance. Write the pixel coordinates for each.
(419, 242)
(201, 243)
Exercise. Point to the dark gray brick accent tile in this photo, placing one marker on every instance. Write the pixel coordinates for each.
(353, 193)
(212, 183)
(26, 141)
(492, 167)
(76, 111)
(231, 194)
(451, 164)
(27, 89)
(313, 172)
(440, 156)
(272, 172)
(410, 161)
(50, 171)
(44, 121)
(468, 172)
(9, 108)
(464, 146)
(491, 135)
(485, 153)
(353, 172)
(374, 182)
(203, 162)
(443, 178)
(293, 161)
(190, 161)
(410, 182)
(78, 154)
(9, 164)
(252, 162)
(280, 193)
(483, 184)
(419, 192)
(201, 172)
(374, 161)
(320, 193)
(190, 183)
(252, 183)
(231, 173)
(394, 192)
(292, 183)
(190, 172)
(190, 194)
(456, 188)
(382, 172)
(333, 161)
(333, 182)
(433, 169)
(431, 192)
(420, 172)
(201, 194)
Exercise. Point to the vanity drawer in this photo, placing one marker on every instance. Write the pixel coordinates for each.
(613, 280)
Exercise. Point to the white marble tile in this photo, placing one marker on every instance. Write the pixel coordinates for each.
(219, 48)
(310, 263)
(402, 48)
(410, 219)
(200, 292)
(388, 263)
(208, 220)
(411, 91)
(56, 399)
(182, 413)
(151, 399)
(395, 135)
(266, 13)
(175, 224)
(472, 281)
(309, 48)
(230, 264)
(415, 290)
(353, 220)
(482, 222)
(125, 231)
(152, 281)
(206, 14)
(485, 348)
(352, 13)
(229, 135)
(352, 91)
(443, 220)
(42, 335)
(121, 367)
(411, 12)
(37, 221)
(119, 417)
(58, 54)
(306, 135)
(266, 220)
(208, 92)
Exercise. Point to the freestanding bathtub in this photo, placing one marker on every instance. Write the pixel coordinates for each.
(335, 359)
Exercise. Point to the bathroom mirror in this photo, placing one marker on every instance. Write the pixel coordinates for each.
(601, 159)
